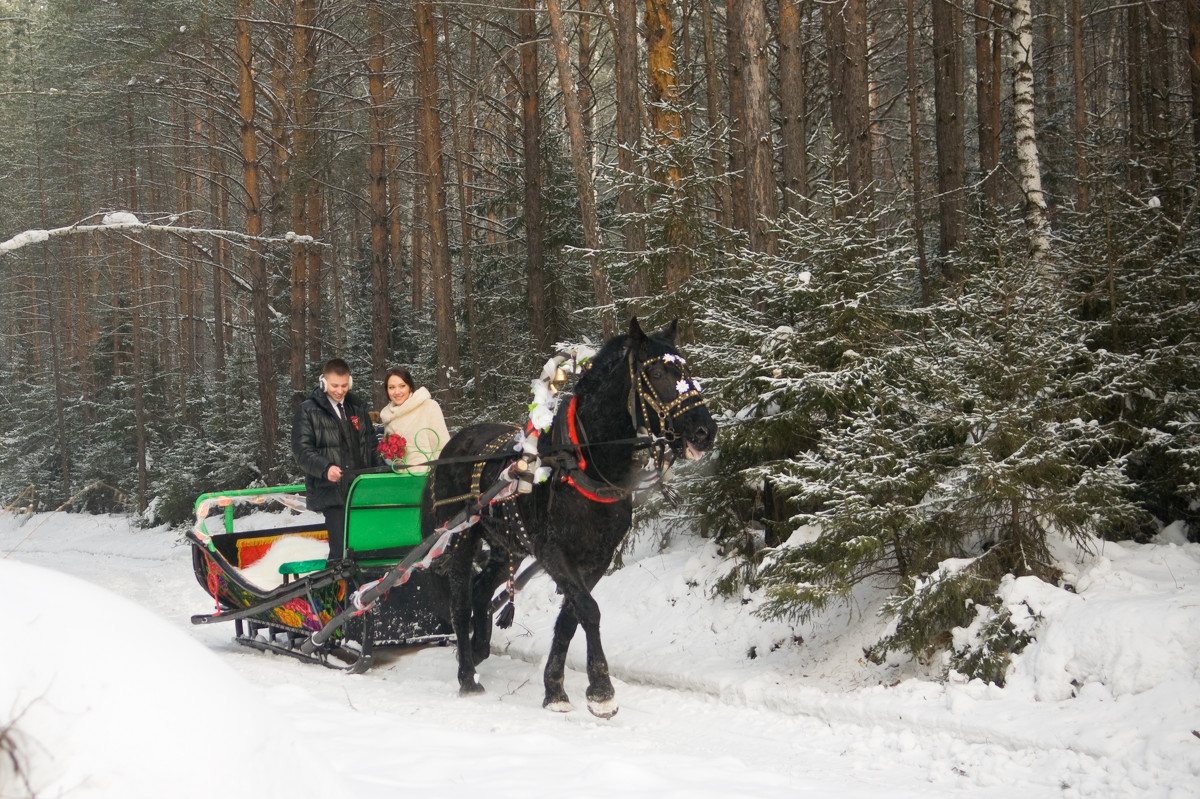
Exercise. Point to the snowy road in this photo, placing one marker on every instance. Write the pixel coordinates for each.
(402, 730)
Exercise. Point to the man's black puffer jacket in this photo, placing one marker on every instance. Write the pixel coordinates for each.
(320, 440)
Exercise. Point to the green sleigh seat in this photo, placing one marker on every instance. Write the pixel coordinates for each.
(383, 521)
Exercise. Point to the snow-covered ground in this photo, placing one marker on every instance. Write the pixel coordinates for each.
(111, 692)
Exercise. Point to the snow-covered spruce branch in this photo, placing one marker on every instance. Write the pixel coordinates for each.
(125, 221)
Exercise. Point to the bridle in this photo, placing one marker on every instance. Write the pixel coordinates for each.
(644, 403)
(644, 398)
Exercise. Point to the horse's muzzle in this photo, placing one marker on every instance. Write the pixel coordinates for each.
(698, 441)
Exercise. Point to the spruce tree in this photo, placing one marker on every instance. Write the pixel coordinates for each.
(936, 449)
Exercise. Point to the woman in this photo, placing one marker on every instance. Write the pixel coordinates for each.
(413, 415)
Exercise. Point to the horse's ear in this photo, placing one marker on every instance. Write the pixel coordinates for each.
(669, 331)
(636, 334)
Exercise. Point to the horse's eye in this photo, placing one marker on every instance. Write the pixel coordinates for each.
(656, 373)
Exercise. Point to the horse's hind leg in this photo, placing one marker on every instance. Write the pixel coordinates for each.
(459, 574)
(483, 585)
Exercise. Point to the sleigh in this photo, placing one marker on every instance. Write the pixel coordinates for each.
(277, 586)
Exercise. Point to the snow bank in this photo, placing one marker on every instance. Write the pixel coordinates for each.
(107, 700)
(716, 702)
(1131, 625)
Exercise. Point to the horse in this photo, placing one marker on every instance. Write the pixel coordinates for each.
(572, 522)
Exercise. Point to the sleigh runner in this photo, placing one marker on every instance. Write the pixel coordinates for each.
(277, 587)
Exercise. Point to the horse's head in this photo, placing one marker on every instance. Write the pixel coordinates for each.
(664, 397)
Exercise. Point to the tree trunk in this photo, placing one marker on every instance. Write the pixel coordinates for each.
(662, 90)
(712, 86)
(587, 97)
(1193, 43)
(435, 200)
(187, 305)
(381, 317)
(217, 199)
(735, 57)
(662, 96)
(1137, 124)
(316, 276)
(1028, 164)
(914, 141)
(137, 326)
(1158, 73)
(417, 249)
(987, 99)
(846, 27)
(260, 303)
(531, 131)
(951, 145)
(858, 89)
(756, 134)
(793, 112)
(1079, 129)
(52, 325)
(465, 175)
(583, 173)
(56, 378)
(304, 56)
(629, 134)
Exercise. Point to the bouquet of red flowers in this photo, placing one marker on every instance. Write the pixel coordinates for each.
(392, 447)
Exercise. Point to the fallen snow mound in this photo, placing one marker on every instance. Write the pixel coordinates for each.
(107, 700)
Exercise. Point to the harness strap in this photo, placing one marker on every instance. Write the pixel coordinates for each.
(480, 461)
(571, 462)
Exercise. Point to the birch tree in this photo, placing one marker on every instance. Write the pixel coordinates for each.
(1029, 174)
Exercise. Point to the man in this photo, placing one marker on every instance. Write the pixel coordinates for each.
(332, 439)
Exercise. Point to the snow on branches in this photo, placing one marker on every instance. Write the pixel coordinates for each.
(115, 221)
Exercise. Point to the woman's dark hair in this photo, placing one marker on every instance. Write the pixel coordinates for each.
(403, 374)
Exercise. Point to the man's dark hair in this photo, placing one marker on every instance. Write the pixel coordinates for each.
(335, 366)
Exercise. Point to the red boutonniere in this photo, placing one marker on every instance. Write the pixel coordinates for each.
(354, 421)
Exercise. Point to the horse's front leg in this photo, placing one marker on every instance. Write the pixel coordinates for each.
(556, 663)
(602, 698)
(600, 693)
(460, 573)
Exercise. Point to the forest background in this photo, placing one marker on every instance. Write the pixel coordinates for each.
(935, 262)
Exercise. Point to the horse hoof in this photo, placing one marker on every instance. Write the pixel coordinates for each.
(603, 710)
(561, 706)
(470, 690)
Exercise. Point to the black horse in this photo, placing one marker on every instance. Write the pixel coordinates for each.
(573, 522)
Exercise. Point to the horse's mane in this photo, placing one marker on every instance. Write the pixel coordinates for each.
(612, 357)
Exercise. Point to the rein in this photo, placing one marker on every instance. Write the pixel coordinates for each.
(571, 463)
